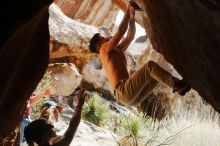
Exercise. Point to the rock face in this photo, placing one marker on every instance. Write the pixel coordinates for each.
(87, 133)
(187, 33)
(16, 15)
(62, 26)
(147, 53)
(24, 68)
(94, 73)
(65, 78)
(93, 12)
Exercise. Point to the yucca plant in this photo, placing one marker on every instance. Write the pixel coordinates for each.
(134, 129)
(95, 111)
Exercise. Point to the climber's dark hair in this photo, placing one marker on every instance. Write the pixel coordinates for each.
(34, 131)
(93, 41)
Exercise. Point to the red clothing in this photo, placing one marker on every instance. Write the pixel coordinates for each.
(27, 112)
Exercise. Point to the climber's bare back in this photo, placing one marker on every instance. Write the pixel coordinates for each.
(114, 63)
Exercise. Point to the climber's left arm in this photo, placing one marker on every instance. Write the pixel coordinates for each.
(130, 34)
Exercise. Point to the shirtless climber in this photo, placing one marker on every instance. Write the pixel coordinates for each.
(41, 131)
(133, 89)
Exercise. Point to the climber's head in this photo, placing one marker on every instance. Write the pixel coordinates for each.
(97, 41)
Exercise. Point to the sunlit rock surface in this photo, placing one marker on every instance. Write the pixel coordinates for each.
(65, 78)
(93, 12)
(69, 31)
(87, 134)
(93, 72)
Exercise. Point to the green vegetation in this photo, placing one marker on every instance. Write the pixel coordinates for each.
(133, 130)
(95, 111)
(196, 125)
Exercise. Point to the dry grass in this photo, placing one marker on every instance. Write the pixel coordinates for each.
(194, 126)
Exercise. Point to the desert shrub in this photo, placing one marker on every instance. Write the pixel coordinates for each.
(95, 111)
(134, 130)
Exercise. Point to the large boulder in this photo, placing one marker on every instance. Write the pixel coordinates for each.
(93, 12)
(69, 31)
(187, 34)
(16, 15)
(24, 58)
(65, 78)
(94, 73)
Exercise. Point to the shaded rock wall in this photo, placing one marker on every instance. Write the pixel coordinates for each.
(24, 68)
(187, 33)
(160, 102)
(16, 14)
(150, 54)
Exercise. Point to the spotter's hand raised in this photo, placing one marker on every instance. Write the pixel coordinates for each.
(81, 97)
